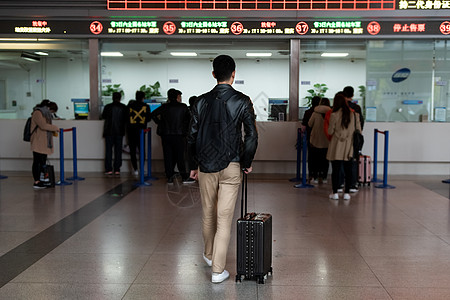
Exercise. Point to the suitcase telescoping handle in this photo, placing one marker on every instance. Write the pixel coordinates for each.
(244, 194)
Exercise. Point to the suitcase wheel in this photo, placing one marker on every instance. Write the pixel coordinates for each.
(238, 278)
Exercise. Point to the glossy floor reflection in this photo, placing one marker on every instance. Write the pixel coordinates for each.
(104, 238)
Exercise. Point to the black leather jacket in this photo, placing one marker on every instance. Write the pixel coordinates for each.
(115, 115)
(215, 136)
(172, 118)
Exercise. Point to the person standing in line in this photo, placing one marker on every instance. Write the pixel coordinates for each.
(41, 142)
(349, 93)
(312, 169)
(138, 117)
(318, 140)
(218, 154)
(173, 122)
(343, 122)
(115, 116)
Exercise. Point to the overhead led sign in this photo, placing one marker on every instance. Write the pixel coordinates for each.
(251, 5)
(294, 28)
(38, 27)
(424, 4)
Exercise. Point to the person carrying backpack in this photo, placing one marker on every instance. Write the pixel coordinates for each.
(41, 141)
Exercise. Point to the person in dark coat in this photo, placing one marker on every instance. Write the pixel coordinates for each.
(138, 117)
(349, 93)
(115, 116)
(312, 171)
(173, 121)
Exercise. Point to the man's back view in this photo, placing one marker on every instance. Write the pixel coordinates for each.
(139, 116)
(218, 154)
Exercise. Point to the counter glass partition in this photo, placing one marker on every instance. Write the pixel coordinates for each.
(36, 69)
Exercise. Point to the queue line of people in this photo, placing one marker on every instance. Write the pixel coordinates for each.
(330, 139)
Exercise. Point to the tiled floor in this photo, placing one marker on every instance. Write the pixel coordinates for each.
(103, 238)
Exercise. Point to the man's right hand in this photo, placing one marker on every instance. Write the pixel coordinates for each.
(194, 174)
(248, 170)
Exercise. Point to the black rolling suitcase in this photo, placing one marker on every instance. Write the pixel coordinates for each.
(254, 242)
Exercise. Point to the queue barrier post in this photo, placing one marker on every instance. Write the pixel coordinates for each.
(375, 156)
(149, 155)
(297, 177)
(384, 185)
(61, 159)
(75, 160)
(141, 161)
(304, 185)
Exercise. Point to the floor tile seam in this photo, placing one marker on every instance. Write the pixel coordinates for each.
(409, 217)
(443, 187)
(353, 246)
(268, 283)
(374, 273)
(153, 253)
(415, 220)
(64, 235)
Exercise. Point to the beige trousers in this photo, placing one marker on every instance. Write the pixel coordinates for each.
(218, 192)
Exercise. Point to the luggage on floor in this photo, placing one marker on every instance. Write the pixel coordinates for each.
(48, 175)
(364, 170)
(254, 242)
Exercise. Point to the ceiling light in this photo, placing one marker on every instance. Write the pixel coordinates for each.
(266, 54)
(116, 54)
(334, 54)
(30, 57)
(183, 53)
(41, 53)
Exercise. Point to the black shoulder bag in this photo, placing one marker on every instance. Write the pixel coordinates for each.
(358, 140)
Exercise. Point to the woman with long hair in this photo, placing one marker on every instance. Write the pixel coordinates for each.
(318, 141)
(42, 138)
(343, 122)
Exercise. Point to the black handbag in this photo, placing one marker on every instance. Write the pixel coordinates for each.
(48, 175)
(358, 141)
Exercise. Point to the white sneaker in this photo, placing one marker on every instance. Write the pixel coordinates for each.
(135, 173)
(354, 190)
(208, 261)
(334, 196)
(347, 197)
(341, 190)
(220, 277)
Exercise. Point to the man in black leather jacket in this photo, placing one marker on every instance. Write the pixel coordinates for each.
(173, 121)
(115, 116)
(218, 154)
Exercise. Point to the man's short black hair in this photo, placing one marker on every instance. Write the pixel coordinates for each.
(116, 96)
(172, 95)
(349, 92)
(140, 95)
(223, 67)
